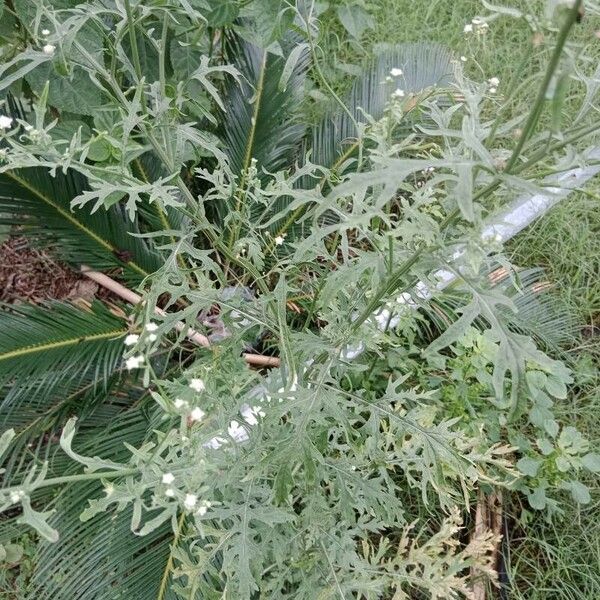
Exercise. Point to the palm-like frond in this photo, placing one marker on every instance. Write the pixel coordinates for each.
(259, 122)
(41, 203)
(423, 66)
(54, 350)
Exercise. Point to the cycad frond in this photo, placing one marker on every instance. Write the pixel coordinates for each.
(259, 122)
(35, 199)
(423, 66)
(59, 347)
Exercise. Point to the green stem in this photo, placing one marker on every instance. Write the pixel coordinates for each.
(538, 105)
(169, 566)
(249, 146)
(133, 40)
(72, 478)
(319, 72)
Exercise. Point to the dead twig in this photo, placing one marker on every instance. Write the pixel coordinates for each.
(195, 336)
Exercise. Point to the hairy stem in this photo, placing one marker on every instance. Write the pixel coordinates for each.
(72, 478)
(538, 105)
(133, 40)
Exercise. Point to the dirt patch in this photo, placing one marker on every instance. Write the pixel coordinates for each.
(32, 275)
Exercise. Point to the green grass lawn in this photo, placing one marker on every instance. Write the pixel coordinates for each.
(558, 560)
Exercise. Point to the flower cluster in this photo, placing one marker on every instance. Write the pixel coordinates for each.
(493, 83)
(190, 501)
(5, 122)
(147, 337)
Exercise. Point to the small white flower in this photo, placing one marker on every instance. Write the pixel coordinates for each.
(134, 362)
(109, 490)
(197, 414)
(28, 128)
(45, 32)
(168, 478)
(477, 21)
(389, 79)
(237, 432)
(398, 93)
(169, 492)
(279, 240)
(215, 443)
(132, 339)
(250, 414)
(497, 238)
(492, 90)
(468, 28)
(463, 59)
(197, 385)
(16, 496)
(494, 81)
(202, 510)
(48, 49)
(151, 326)
(152, 337)
(5, 122)
(179, 403)
(395, 72)
(190, 501)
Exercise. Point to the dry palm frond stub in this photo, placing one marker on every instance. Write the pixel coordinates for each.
(488, 518)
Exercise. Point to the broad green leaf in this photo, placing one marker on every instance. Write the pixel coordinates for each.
(355, 19)
(556, 387)
(546, 447)
(537, 499)
(529, 466)
(22, 66)
(11, 553)
(579, 491)
(591, 462)
(223, 14)
(185, 58)
(74, 92)
(283, 484)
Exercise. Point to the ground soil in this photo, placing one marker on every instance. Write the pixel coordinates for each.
(33, 275)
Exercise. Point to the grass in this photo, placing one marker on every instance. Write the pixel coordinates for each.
(545, 561)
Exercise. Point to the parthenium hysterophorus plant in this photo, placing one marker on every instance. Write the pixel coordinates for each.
(164, 145)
